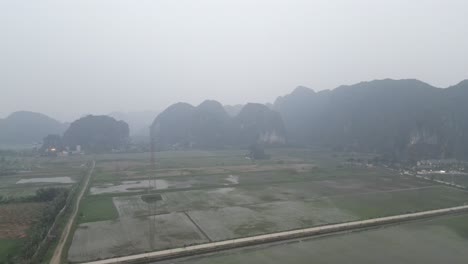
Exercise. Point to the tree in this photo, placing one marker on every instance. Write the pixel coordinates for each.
(257, 152)
(97, 134)
(52, 143)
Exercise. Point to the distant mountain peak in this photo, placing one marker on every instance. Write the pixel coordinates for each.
(178, 106)
(209, 126)
(386, 84)
(27, 114)
(301, 93)
(25, 127)
(463, 83)
(254, 107)
(211, 104)
(300, 90)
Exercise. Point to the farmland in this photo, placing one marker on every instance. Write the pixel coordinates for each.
(195, 197)
(441, 240)
(15, 220)
(31, 193)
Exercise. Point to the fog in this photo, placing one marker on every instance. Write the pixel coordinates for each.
(69, 58)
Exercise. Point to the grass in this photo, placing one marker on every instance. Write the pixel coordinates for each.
(151, 198)
(108, 177)
(34, 168)
(457, 179)
(429, 242)
(459, 224)
(54, 242)
(97, 208)
(18, 192)
(400, 202)
(8, 247)
(268, 200)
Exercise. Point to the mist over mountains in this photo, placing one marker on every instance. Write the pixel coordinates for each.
(401, 119)
(208, 125)
(405, 119)
(139, 123)
(24, 127)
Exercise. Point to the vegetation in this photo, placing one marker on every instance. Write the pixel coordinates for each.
(55, 199)
(41, 195)
(257, 152)
(8, 249)
(203, 189)
(7, 167)
(208, 125)
(97, 208)
(151, 198)
(52, 142)
(428, 242)
(390, 203)
(97, 134)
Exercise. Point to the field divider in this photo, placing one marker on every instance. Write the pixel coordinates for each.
(57, 256)
(279, 236)
(54, 227)
(198, 227)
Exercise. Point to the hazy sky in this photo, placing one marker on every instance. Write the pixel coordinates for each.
(67, 58)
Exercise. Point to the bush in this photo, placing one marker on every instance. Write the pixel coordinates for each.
(257, 152)
(56, 199)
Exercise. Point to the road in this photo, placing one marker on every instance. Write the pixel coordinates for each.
(261, 239)
(442, 182)
(56, 258)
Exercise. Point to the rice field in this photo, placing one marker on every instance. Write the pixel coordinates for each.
(17, 213)
(442, 240)
(15, 221)
(105, 239)
(196, 197)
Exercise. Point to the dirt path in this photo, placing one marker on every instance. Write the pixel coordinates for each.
(274, 237)
(56, 258)
(440, 181)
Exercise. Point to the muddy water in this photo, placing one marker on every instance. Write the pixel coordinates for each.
(135, 186)
(233, 179)
(47, 180)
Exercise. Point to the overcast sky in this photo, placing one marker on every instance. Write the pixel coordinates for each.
(68, 58)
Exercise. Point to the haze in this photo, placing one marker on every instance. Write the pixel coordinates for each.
(66, 59)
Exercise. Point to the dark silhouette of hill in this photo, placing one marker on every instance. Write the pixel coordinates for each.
(404, 119)
(401, 119)
(257, 123)
(210, 126)
(173, 126)
(96, 134)
(25, 127)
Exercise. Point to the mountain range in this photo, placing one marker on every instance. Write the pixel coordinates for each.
(25, 128)
(404, 119)
(401, 119)
(208, 125)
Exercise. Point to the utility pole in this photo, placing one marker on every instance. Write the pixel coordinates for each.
(152, 185)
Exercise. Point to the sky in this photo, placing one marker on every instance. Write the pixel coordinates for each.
(70, 58)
